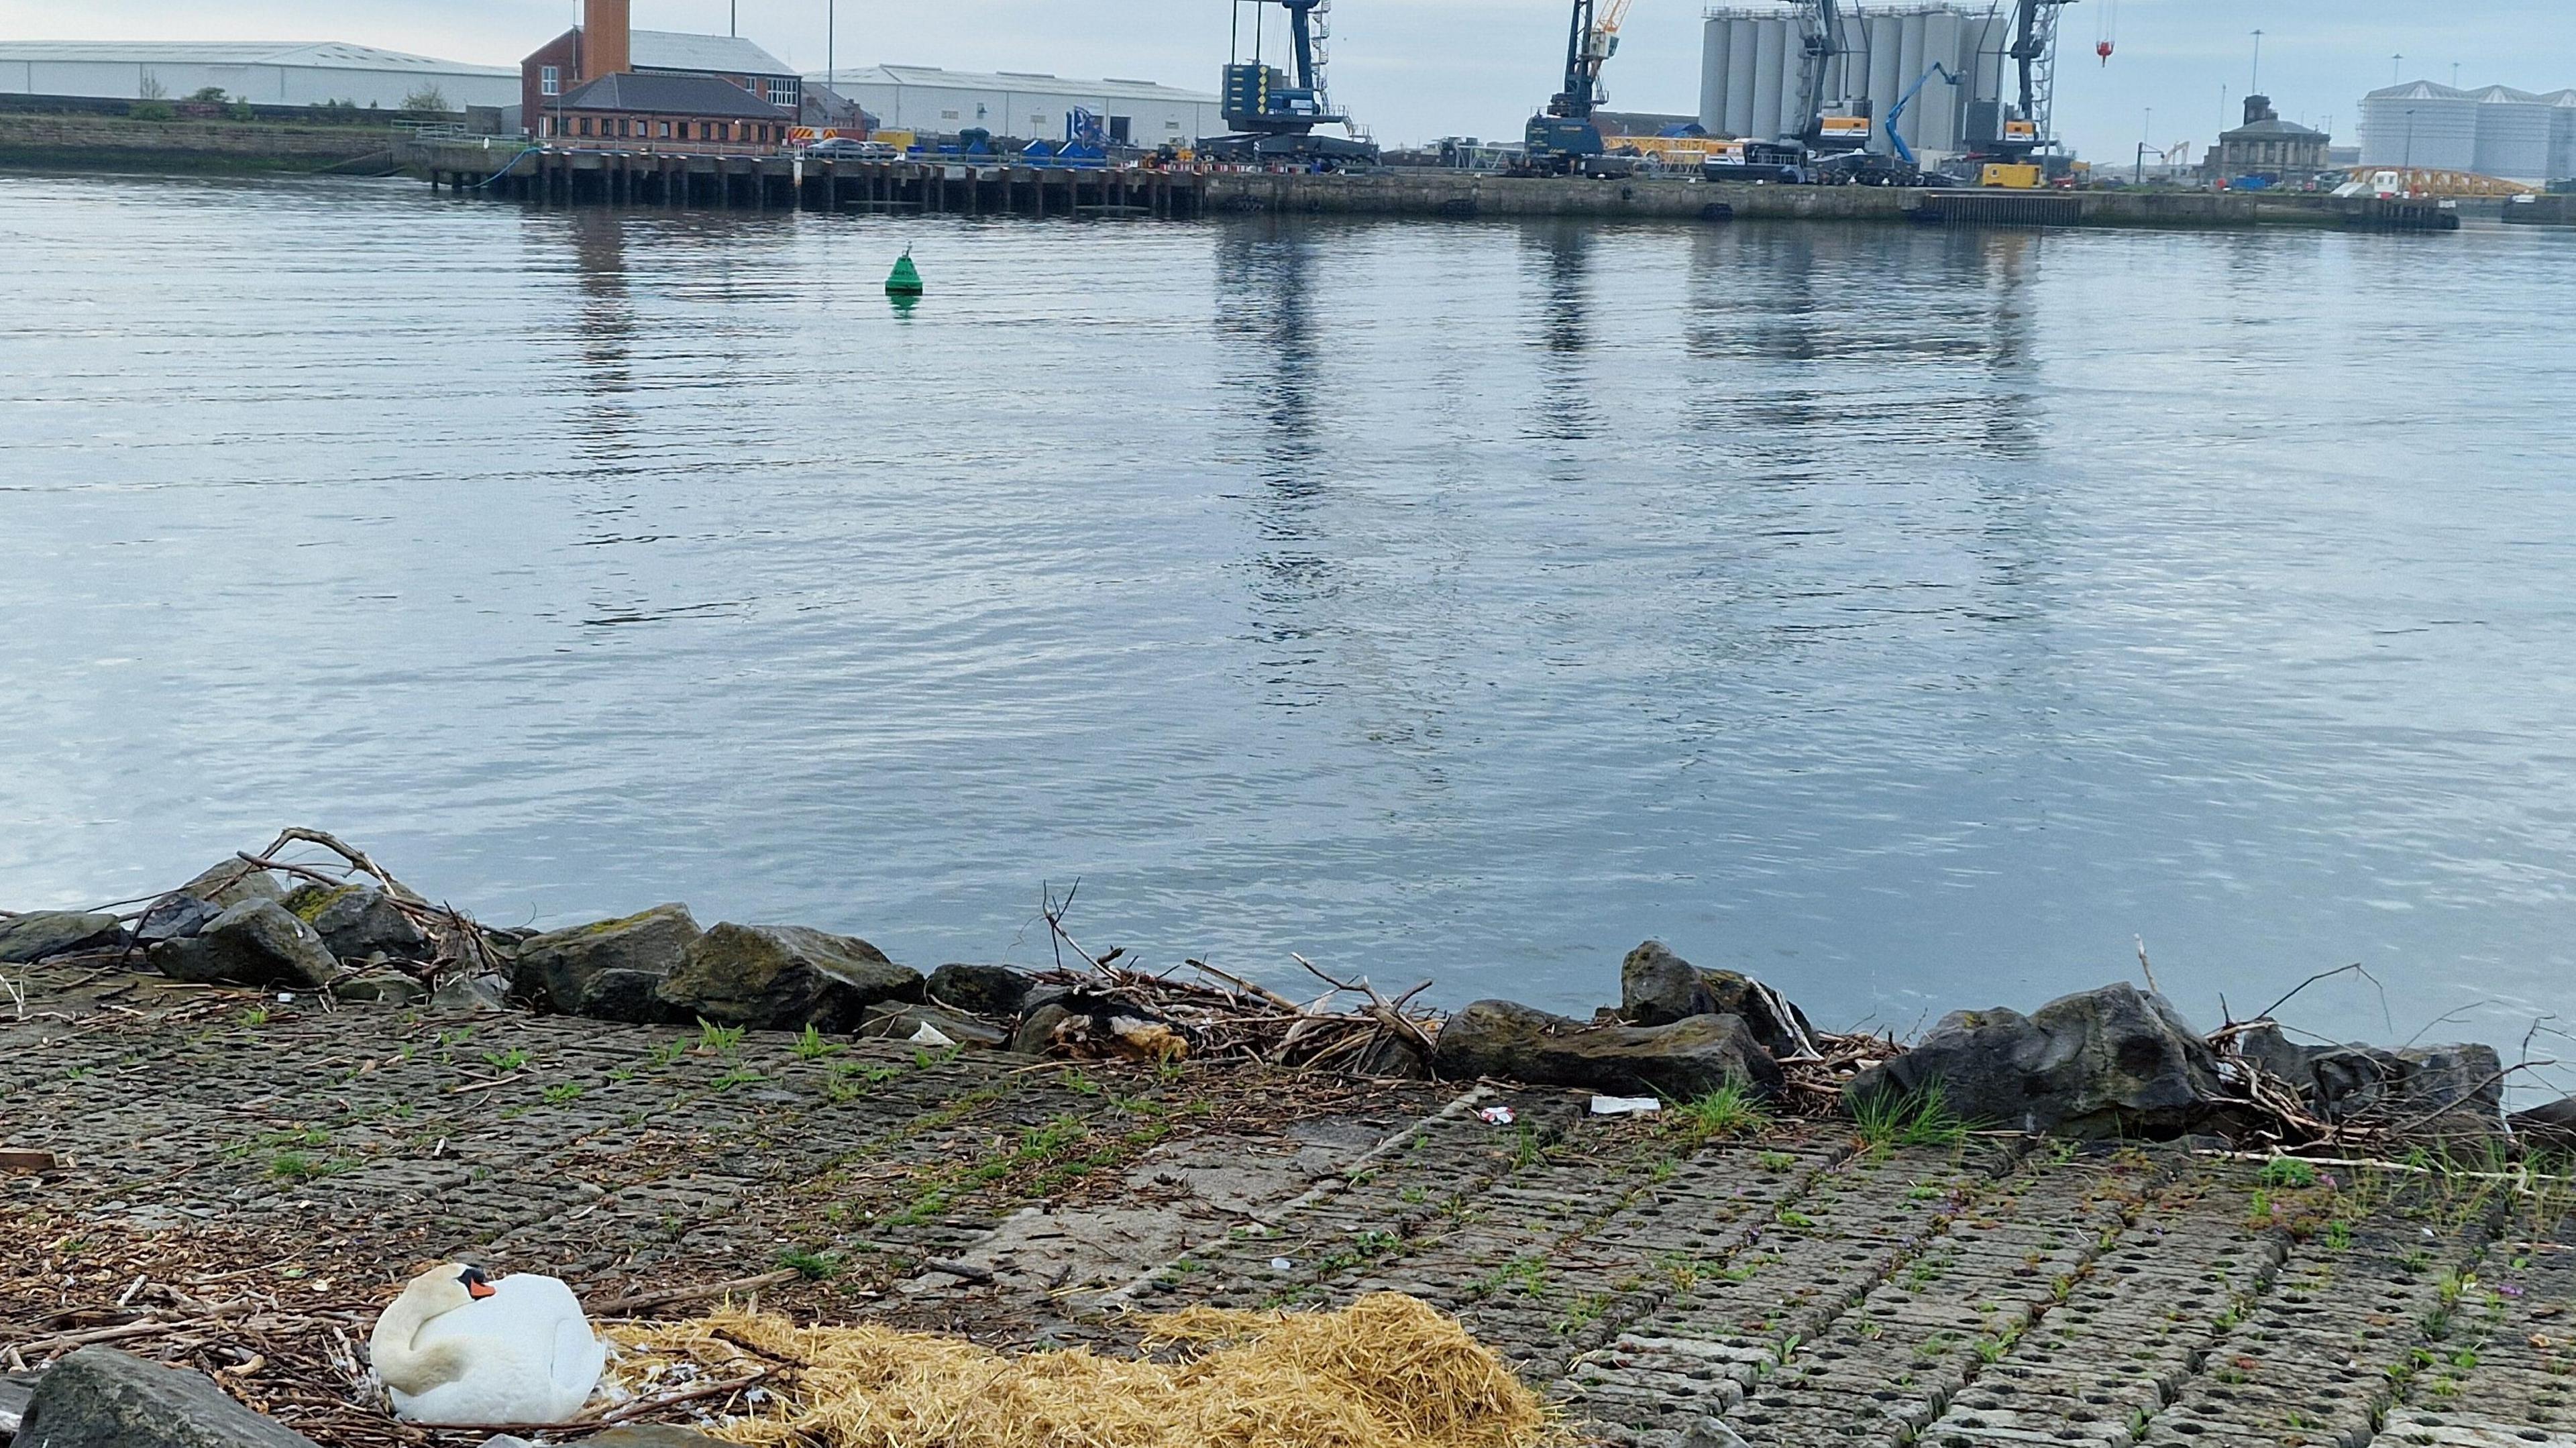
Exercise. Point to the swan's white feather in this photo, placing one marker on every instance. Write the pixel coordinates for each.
(530, 1357)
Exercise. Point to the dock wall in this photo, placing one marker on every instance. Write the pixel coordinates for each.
(117, 143)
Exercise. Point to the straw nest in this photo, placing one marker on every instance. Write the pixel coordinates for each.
(1386, 1372)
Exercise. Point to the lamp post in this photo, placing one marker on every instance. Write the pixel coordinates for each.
(831, 37)
(2409, 162)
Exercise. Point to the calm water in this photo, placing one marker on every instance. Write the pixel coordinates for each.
(1912, 618)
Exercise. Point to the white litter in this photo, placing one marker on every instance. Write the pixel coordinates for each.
(930, 1035)
(1280, 1264)
(1495, 1115)
(1626, 1105)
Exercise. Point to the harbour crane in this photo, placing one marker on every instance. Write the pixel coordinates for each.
(1274, 112)
(1560, 138)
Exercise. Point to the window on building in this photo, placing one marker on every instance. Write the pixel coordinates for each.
(1119, 129)
(550, 80)
(947, 115)
(782, 92)
(1171, 125)
(585, 125)
(666, 130)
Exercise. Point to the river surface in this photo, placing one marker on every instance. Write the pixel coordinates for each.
(1917, 619)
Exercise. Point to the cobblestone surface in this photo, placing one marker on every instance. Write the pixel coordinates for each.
(1796, 1286)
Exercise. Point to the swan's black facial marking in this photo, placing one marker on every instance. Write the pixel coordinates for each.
(476, 1284)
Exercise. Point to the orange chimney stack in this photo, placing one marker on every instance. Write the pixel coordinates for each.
(607, 37)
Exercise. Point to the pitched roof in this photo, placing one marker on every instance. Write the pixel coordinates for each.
(1020, 82)
(2274, 129)
(677, 50)
(313, 54)
(690, 95)
(2416, 90)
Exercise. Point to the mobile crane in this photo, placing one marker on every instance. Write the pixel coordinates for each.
(1274, 112)
(1564, 138)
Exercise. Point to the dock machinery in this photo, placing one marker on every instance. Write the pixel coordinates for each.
(1274, 112)
(2002, 139)
(1564, 138)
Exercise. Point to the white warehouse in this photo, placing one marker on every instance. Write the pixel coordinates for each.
(268, 74)
(1028, 105)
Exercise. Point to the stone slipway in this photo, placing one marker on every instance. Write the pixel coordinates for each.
(1800, 1288)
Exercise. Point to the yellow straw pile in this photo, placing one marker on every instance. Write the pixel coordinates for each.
(1386, 1372)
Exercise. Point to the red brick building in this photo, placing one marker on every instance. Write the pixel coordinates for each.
(633, 111)
(604, 46)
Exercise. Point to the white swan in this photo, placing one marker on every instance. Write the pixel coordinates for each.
(456, 1347)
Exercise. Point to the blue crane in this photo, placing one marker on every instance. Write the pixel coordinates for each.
(1896, 112)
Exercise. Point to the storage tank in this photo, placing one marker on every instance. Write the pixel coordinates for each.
(2420, 124)
(2562, 134)
(2513, 134)
(1750, 81)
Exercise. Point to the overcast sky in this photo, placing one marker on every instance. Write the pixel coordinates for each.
(1417, 69)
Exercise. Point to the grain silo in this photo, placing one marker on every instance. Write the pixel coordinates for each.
(2513, 134)
(2562, 134)
(1751, 58)
(2420, 124)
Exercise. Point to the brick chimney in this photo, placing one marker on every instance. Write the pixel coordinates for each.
(607, 37)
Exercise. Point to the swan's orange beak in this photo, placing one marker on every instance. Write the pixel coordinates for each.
(479, 1288)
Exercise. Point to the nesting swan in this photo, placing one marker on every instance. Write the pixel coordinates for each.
(457, 1347)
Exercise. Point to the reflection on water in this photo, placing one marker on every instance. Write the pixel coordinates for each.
(1913, 617)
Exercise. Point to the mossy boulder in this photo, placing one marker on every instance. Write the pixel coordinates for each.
(46, 933)
(358, 922)
(1680, 1059)
(610, 970)
(785, 977)
(257, 942)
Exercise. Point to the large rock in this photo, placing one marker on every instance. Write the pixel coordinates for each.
(785, 977)
(2550, 1128)
(56, 932)
(2437, 1093)
(358, 922)
(1681, 1059)
(256, 942)
(611, 970)
(174, 917)
(101, 1398)
(230, 882)
(2109, 1062)
(1657, 988)
(189, 909)
(983, 990)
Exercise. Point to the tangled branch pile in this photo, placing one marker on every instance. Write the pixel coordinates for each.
(1386, 1372)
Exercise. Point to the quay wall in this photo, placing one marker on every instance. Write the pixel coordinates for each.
(1459, 194)
(118, 143)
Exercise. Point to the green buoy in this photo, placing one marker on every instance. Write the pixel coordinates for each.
(905, 281)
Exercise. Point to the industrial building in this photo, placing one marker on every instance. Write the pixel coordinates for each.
(562, 64)
(1750, 59)
(2496, 131)
(1028, 105)
(2266, 145)
(261, 73)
